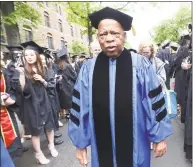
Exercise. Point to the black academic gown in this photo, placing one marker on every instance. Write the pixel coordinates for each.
(77, 68)
(53, 96)
(37, 108)
(188, 122)
(16, 149)
(165, 56)
(182, 78)
(14, 76)
(66, 85)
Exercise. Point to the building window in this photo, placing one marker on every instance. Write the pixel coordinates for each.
(50, 41)
(63, 43)
(71, 29)
(60, 11)
(28, 33)
(47, 19)
(60, 25)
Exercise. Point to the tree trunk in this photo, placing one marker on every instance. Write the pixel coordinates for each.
(12, 31)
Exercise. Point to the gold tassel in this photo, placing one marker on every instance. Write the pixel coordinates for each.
(133, 30)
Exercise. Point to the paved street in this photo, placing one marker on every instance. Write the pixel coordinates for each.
(175, 156)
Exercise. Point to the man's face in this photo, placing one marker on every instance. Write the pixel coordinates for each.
(111, 37)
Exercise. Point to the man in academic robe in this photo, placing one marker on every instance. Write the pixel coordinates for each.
(118, 106)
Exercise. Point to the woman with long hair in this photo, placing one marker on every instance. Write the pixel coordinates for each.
(36, 104)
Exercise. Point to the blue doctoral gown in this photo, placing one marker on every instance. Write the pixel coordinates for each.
(145, 127)
(6, 160)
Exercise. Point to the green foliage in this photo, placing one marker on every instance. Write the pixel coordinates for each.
(127, 45)
(22, 11)
(171, 28)
(78, 13)
(77, 48)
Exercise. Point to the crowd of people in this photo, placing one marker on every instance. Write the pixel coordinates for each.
(36, 88)
(173, 64)
(41, 87)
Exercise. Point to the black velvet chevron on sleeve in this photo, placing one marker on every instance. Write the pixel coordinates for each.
(76, 94)
(74, 119)
(75, 107)
(158, 104)
(161, 115)
(153, 93)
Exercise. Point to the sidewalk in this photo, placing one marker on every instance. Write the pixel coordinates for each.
(175, 157)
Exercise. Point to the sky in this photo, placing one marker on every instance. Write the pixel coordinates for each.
(145, 17)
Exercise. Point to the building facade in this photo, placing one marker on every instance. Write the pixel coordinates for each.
(53, 32)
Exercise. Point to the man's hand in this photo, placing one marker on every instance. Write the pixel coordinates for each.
(81, 155)
(160, 148)
(186, 66)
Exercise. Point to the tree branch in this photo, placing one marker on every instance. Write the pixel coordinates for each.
(82, 17)
(123, 6)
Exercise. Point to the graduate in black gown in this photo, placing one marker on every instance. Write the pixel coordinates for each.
(188, 122)
(52, 93)
(75, 64)
(188, 113)
(174, 49)
(15, 53)
(182, 74)
(66, 84)
(9, 127)
(165, 55)
(36, 103)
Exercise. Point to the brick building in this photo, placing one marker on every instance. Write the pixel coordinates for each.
(54, 31)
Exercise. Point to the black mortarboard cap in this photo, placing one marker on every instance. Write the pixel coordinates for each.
(33, 46)
(174, 45)
(47, 55)
(62, 53)
(158, 44)
(74, 56)
(133, 50)
(84, 55)
(166, 43)
(186, 37)
(109, 13)
(14, 48)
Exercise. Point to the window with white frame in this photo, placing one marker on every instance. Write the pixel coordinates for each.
(50, 41)
(47, 19)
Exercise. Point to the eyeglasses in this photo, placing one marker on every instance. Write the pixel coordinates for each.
(114, 35)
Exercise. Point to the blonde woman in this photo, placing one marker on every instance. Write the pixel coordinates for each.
(148, 51)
